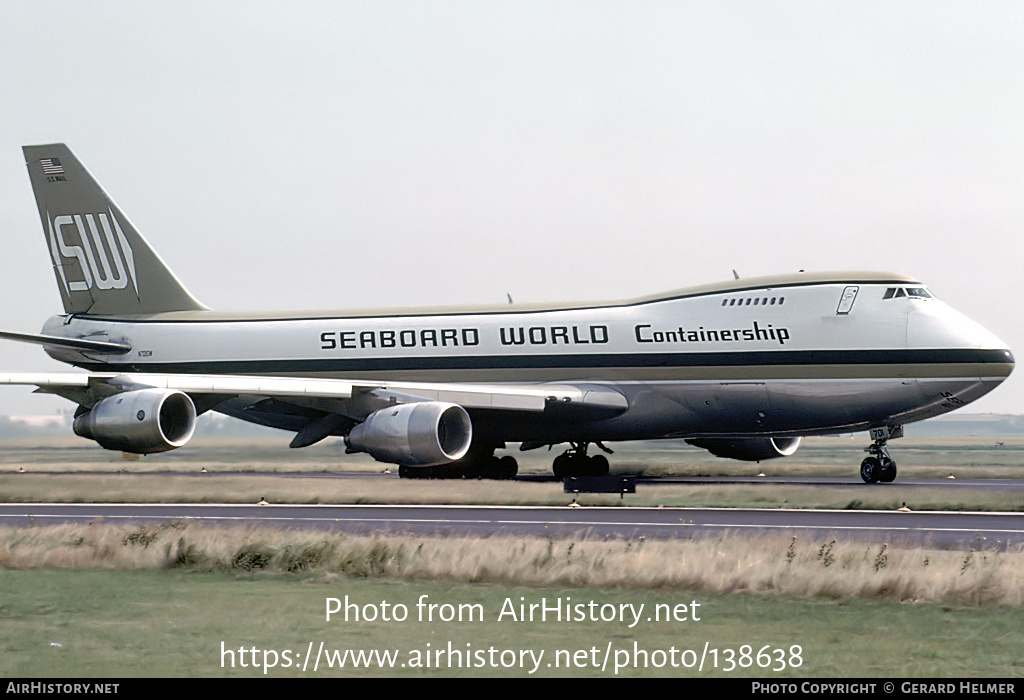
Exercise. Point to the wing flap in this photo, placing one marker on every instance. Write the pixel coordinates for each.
(236, 385)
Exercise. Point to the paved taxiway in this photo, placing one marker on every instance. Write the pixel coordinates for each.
(943, 529)
(852, 482)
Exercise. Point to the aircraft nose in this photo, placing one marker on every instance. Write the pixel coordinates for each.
(1001, 363)
(935, 326)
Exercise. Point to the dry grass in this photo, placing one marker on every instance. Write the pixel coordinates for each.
(761, 565)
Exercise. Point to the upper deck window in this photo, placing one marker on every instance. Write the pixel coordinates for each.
(756, 301)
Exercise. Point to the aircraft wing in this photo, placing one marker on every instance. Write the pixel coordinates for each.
(585, 402)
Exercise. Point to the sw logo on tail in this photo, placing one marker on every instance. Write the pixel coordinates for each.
(88, 252)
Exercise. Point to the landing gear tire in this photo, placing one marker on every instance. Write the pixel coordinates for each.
(870, 470)
(888, 472)
(507, 468)
(562, 466)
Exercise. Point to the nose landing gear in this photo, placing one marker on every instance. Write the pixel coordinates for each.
(879, 466)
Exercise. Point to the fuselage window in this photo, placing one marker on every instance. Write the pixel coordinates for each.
(756, 301)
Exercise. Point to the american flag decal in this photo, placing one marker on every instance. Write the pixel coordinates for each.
(51, 166)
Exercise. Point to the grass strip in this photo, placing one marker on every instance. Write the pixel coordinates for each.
(245, 591)
(251, 488)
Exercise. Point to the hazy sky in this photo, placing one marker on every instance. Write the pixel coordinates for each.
(349, 154)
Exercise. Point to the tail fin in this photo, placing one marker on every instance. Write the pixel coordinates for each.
(103, 265)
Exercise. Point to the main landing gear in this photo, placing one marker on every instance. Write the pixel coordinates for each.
(879, 466)
(575, 462)
(475, 465)
(491, 467)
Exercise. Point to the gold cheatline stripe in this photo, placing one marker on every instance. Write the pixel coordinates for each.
(990, 371)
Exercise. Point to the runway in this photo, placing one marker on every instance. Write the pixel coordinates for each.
(940, 529)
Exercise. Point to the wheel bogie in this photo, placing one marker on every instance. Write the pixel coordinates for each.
(480, 467)
(579, 464)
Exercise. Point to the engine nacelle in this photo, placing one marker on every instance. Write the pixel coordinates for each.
(142, 421)
(748, 449)
(420, 434)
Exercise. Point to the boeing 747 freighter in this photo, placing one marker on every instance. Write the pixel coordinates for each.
(743, 368)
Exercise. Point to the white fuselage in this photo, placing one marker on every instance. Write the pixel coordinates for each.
(780, 356)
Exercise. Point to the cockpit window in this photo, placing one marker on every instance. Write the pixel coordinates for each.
(913, 292)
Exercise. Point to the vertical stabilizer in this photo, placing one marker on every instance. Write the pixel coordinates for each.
(103, 265)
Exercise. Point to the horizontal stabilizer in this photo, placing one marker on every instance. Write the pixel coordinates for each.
(103, 347)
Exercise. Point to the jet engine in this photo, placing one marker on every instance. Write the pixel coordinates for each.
(142, 421)
(748, 449)
(420, 434)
